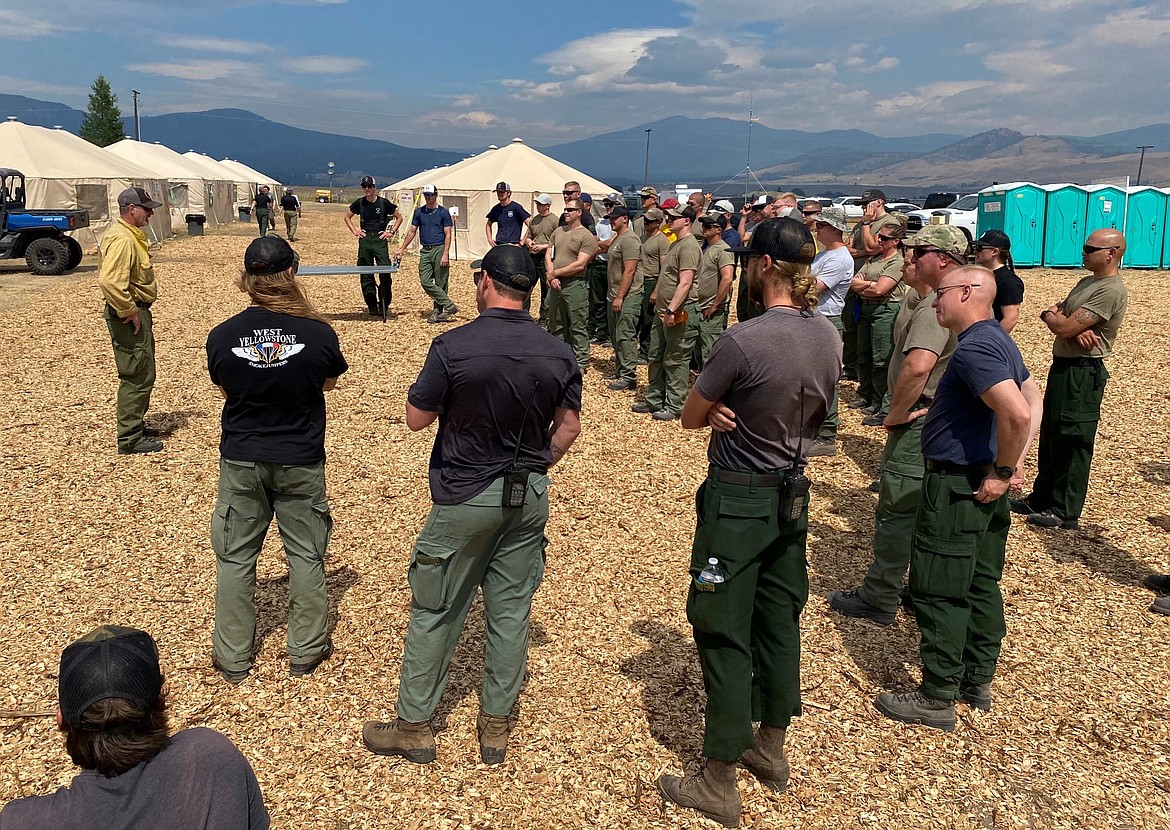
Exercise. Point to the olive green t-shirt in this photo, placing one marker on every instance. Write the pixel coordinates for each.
(541, 228)
(653, 253)
(625, 246)
(567, 244)
(917, 327)
(1106, 297)
(684, 255)
(887, 220)
(706, 285)
(875, 268)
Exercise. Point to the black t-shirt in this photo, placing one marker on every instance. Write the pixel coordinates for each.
(376, 215)
(263, 201)
(1009, 290)
(273, 367)
(289, 202)
(479, 378)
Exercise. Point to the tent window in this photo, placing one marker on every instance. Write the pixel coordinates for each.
(94, 198)
(457, 204)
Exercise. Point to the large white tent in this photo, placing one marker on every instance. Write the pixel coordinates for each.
(188, 189)
(467, 189)
(63, 171)
(248, 181)
(222, 202)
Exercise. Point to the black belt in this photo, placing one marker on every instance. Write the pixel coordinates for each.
(957, 469)
(1077, 361)
(429, 247)
(874, 302)
(744, 479)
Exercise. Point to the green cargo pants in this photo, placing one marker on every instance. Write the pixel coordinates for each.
(875, 346)
(462, 547)
(434, 277)
(956, 563)
(264, 220)
(708, 332)
(375, 251)
(647, 318)
(849, 336)
(568, 309)
(250, 493)
(829, 426)
(598, 272)
(290, 224)
(1068, 429)
(747, 629)
(542, 274)
(134, 357)
(897, 508)
(623, 336)
(669, 372)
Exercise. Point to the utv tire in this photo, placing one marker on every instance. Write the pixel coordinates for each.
(75, 253)
(47, 257)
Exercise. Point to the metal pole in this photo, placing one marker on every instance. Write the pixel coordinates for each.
(1141, 161)
(646, 169)
(137, 129)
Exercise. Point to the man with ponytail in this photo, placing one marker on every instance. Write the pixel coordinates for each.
(764, 390)
(273, 363)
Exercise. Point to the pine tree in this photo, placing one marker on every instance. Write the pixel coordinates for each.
(102, 124)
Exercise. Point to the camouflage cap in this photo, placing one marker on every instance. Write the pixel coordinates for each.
(834, 217)
(949, 239)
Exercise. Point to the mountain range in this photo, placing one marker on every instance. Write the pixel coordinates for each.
(705, 151)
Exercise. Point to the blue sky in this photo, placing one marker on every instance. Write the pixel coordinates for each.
(447, 74)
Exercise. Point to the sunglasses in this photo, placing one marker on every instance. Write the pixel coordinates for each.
(570, 192)
(918, 252)
(811, 212)
(884, 238)
(1092, 249)
(572, 210)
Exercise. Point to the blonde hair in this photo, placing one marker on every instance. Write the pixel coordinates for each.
(279, 293)
(803, 290)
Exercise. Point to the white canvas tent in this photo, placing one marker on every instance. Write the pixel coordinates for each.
(467, 189)
(64, 171)
(248, 181)
(222, 202)
(187, 188)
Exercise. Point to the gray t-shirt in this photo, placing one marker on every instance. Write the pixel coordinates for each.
(199, 782)
(757, 368)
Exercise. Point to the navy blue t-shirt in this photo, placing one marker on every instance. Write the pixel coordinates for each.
(273, 368)
(479, 377)
(430, 224)
(509, 221)
(960, 427)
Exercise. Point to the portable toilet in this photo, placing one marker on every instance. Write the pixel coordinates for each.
(1145, 227)
(1017, 209)
(1107, 208)
(1064, 224)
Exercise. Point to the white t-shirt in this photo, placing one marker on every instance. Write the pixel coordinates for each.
(835, 269)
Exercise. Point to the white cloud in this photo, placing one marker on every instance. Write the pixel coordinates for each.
(323, 65)
(194, 70)
(884, 65)
(25, 25)
(215, 44)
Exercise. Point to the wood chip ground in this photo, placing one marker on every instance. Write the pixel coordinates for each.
(1079, 735)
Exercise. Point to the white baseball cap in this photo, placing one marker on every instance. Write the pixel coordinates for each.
(543, 199)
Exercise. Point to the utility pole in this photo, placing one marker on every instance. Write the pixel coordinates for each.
(646, 169)
(137, 129)
(1141, 161)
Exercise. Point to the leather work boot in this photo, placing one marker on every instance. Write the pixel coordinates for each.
(413, 741)
(492, 732)
(977, 695)
(711, 790)
(767, 760)
(916, 707)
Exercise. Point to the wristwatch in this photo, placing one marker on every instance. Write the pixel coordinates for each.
(866, 224)
(1005, 473)
(1045, 313)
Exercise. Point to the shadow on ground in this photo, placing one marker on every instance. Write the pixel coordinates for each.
(672, 687)
(272, 601)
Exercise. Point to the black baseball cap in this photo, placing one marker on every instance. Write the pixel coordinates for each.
(617, 210)
(708, 220)
(782, 238)
(870, 195)
(368, 181)
(995, 239)
(685, 212)
(512, 266)
(268, 255)
(137, 196)
(503, 186)
(112, 661)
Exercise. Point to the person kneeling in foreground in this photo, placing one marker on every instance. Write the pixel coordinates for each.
(765, 389)
(507, 395)
(134, 775)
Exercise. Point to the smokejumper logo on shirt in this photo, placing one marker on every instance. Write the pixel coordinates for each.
(268, 347)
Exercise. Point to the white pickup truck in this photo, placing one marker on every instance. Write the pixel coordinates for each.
(963, 212)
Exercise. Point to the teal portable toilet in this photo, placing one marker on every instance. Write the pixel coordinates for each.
(1145, 227)
(1064, 224)
(1017, 209)
(1107, 208)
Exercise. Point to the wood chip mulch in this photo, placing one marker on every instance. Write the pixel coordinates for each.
(1080, 731)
